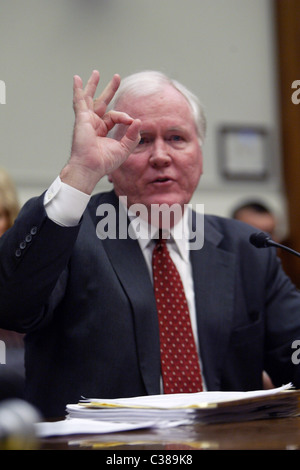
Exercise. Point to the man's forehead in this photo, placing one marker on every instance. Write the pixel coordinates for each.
(166, 95)
(168, 109)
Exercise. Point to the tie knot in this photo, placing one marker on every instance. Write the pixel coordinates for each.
(160, 242)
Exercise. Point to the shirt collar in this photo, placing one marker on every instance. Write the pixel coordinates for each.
(146, 233)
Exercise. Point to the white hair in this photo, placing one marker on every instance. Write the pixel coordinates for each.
(149, 82)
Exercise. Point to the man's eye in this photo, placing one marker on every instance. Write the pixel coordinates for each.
(176, 138)
(145, 140)
(143, 144)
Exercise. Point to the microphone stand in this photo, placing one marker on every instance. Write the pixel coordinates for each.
(283, 247)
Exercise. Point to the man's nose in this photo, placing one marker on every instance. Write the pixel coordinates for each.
(160, 155)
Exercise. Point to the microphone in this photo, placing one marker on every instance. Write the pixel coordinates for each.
(262, 240)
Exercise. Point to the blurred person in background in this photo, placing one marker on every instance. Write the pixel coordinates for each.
(258, 215)
(9, 202)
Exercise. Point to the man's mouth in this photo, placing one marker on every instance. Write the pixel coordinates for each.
(161, 180)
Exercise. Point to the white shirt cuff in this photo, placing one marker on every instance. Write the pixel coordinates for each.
(64, 204)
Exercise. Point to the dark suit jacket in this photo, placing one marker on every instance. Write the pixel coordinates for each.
(88, 309)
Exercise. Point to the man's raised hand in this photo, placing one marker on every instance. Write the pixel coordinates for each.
(93, 153)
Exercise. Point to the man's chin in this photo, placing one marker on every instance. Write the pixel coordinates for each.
(163, 199)
(164, 213)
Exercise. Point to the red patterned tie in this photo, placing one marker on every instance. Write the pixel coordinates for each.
(179, 359)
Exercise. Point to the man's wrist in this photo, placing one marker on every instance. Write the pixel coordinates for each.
(65, 204)
(80, 178)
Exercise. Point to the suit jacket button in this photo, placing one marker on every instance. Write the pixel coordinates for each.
(22, 245)
(33, 231)
(18, 253)
(28, 238)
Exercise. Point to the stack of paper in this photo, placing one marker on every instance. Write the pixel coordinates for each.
(204, 407)
(101, 416)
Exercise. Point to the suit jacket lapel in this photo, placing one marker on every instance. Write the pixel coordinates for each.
(131, 269)
(213, 273)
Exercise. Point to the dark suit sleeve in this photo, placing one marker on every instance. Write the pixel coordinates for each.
(264, 320)
(33, 259)
(282, 325)
(275, 300)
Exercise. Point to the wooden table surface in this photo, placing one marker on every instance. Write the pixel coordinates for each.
(271, 434)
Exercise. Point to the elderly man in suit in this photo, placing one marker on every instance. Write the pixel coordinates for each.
(76, 271)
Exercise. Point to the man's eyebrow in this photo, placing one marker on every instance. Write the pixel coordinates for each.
(177, 128)
(180, 128)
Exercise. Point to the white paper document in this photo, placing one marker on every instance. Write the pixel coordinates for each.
(205, 407)
(84, 426)
(98, 415)
(175, 401)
